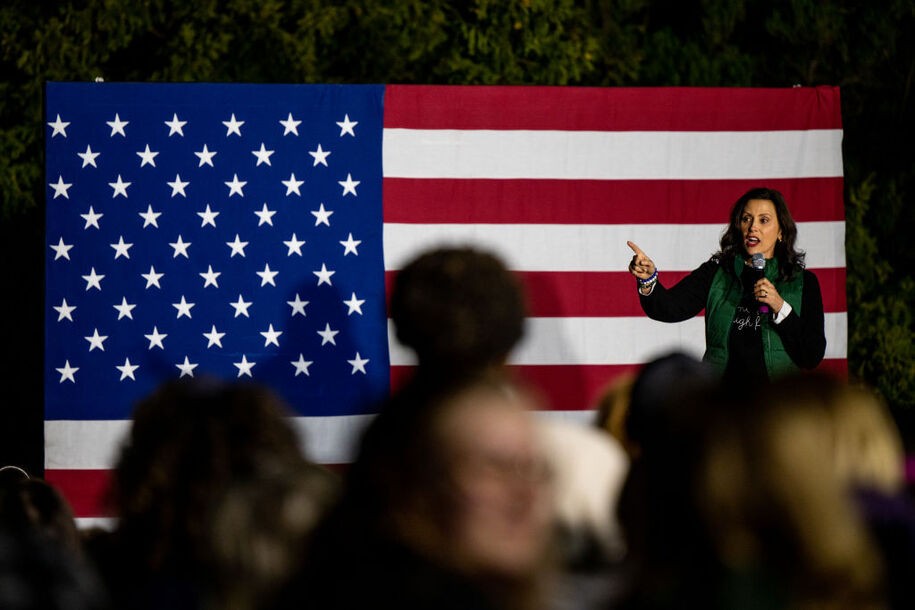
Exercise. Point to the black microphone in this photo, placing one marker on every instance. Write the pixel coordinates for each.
(758, 263)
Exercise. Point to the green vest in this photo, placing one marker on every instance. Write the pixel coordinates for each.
(721, 306)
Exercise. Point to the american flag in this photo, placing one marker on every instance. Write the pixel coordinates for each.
(251, 231)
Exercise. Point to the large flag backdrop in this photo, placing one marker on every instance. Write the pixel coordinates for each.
(251, 231)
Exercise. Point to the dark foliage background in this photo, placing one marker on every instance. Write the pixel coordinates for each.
(865, 48)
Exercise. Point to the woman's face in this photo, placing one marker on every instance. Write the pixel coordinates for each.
(504, 512)
(759, 227)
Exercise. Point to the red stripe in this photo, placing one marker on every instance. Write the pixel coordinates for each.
(835, 366)
(84, 489)
(578, 388)
(572, 388)
(832, 286)
(611, 109)
(563, 388)
(612, 294)
(409, 200)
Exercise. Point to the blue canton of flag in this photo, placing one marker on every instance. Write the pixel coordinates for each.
(233, 231)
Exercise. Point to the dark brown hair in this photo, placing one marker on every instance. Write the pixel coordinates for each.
(189, 440)
(459, 308)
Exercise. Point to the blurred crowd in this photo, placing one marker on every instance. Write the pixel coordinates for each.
(683, 492)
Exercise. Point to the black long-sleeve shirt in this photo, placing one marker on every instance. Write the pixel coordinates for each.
(802, 334)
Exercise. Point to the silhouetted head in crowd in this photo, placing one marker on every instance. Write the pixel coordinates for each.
(459, 308)
(41, 565)
(196, 447)
(188, 441)
(32, 505)
(659, 398)
(38, 574)
(668, 550)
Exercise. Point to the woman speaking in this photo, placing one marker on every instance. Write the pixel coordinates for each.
(763, 309)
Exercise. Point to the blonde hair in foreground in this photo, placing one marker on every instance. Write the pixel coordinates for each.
(867, 445)
(775, 490)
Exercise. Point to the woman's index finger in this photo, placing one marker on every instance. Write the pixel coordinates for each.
(635, 248)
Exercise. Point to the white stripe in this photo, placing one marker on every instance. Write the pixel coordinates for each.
(92, 523)
(85, 444)
(584, 417)
(624, 155)
(332, 440)
(552, 247)
(75, 444)
(590, 341)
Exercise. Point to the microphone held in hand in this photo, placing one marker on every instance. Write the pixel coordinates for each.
(758, 263)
